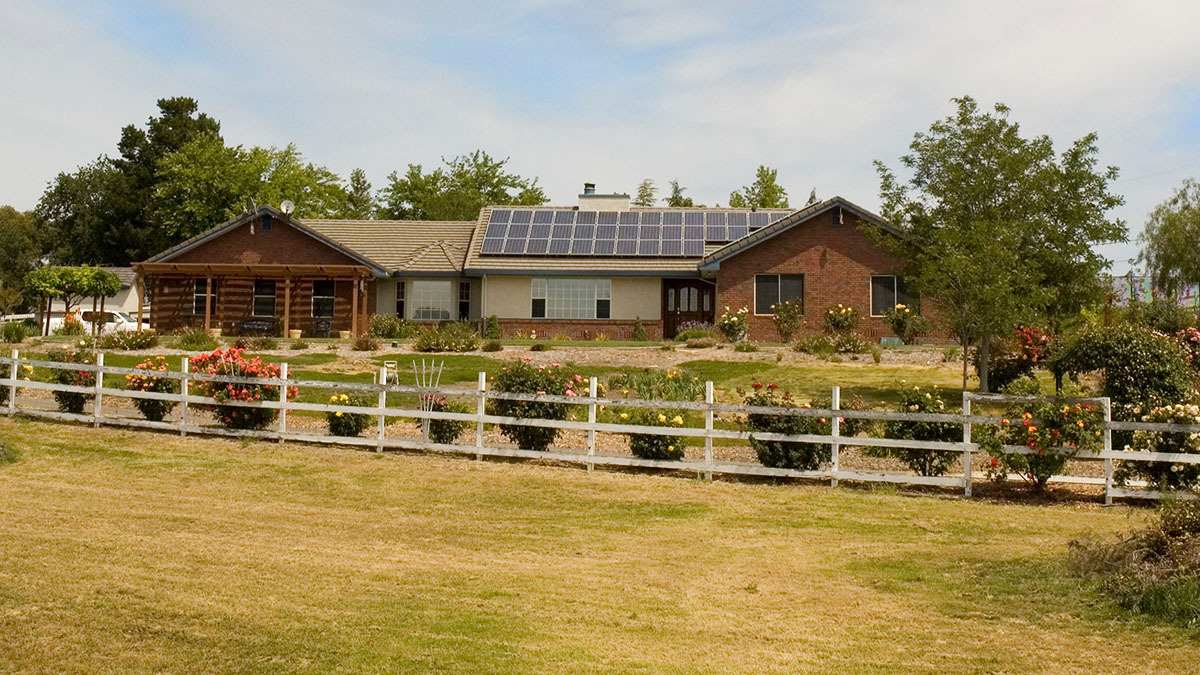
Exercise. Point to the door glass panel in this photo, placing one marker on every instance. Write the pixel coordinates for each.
(707, 299)
(670, 299)
(693, 300)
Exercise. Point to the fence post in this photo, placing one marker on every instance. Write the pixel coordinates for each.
(98, 405)
(184, 387)
(383, 405)
(283, 373)
(12, 388)
(708, 428)
(967, 483)
(836, 431)
(480, 407)
(1108, 463)
(591, 434)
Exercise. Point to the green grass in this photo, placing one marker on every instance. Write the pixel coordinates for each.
(876, 384)
(131, 552)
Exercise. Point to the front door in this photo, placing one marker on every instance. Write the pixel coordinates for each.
(687, 300)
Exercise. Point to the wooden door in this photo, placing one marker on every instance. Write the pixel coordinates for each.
(687, 300)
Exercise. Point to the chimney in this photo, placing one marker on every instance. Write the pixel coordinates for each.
(589, 188)
(589, 200)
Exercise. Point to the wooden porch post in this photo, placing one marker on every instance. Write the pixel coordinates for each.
(220, 305)
(287, 305)
(208, 303)
(138, 281)
(354, 307)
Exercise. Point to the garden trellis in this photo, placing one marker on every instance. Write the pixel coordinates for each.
(185, 421)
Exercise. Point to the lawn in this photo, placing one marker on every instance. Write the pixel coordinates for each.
(127, 551)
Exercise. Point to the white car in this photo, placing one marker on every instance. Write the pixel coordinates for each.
(113, 322)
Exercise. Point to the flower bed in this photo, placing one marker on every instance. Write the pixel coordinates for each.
(231, 362)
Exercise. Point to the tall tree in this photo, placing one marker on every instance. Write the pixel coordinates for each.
(764, 193)
(19, 246)
(993, 226)
(360, 201)
(676, 199)
(646, 194)
(1171, 240)
(458, 190)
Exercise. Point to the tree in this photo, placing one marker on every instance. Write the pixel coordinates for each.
(646, 194)
(1171, 240)
(19, 246)
(764, 193)
(360, 201)
(677, 200)
(457, 191)
(993, 226)
(72, 284)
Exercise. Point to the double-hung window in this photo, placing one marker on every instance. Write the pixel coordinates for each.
(322, 299)
(887, 291)
(199, 289)
(565, 298)
(264, 297)
(772, 289)
(464, 300)
(400, 299)
(432, 300)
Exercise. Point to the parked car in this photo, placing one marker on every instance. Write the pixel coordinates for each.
(112, 322)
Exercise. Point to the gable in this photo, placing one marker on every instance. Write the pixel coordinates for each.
(248, 244)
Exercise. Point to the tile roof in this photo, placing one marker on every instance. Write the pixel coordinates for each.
(423, 246)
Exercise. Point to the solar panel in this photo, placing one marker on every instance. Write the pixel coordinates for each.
(693, 233)
(537, 247)
(693, 248)
(521, 216)
(735, 232)
(500, 216)
(651, 217)
(539, 231)
(492, 246)
(581, 246)
(607, 218)
(672, 247)
(693, 218)
(649, 232)
(648, 247)
(672, 218)
(585, 217)
(736, 220)
(584, 232)
(778, 215)
(627, 240)
(604, 247)
(606, 231)
(630, 217)
(514, 246)
(759, 219)
(560, 217)
(560, 240)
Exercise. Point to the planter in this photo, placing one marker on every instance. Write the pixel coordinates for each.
(343, 335)
(294, 334)
(216, 332)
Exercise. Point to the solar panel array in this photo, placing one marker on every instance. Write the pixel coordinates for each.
(562, 232)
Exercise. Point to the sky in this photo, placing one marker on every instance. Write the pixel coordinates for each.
(611, 93)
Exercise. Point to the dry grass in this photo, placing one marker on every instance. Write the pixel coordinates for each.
(132, 552)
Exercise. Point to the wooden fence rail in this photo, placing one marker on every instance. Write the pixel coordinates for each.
(185, 423)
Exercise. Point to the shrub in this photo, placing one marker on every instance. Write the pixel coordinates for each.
(787, 319)
(745, 346)
(196, 339)
(129, 341)
(299, 344)
(923, 462)
(1163, 314)
(639, 331)
(905, 323)
(69, 401)
(1189, 340)
(155, 410)
(655, 384)
(792, 454)
(1052, 429)
(15, 331)
(654, 446)
(1165, 475)
(386, 327)
(540, 347)
(561, 337)
(842, 319)
(365, 343)
(232, 363)
(264, 343)
(876, 354)
(814, 344)
(347, 423)
(601, 337)
(492, 346)
(701, 343)
(950, 354)
(1016, 356)
(445, 431)
(849, 343)
(453, 336)
(491, 329)
(690, 330)
(524, 378)
(733, 325)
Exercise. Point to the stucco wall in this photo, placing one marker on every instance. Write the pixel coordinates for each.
(632, 297)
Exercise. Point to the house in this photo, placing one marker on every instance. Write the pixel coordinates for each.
(585, 270)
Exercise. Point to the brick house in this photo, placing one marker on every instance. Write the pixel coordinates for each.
(596, 268)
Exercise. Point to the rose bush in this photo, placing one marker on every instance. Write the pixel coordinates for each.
(1052, 429)
(1165, 475)
(906, 323)
(842, 319)
(231, 362)
(923, 462)
(788, 316)
(734, 325)
(155, 410)
(70, 401)
(523, 377)
(791, 454)
(347, 423)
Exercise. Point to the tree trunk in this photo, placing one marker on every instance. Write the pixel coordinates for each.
(984, 344)
(965, 350)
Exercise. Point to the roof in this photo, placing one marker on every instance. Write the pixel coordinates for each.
(712, 260)
(403, 246)
(125, 274)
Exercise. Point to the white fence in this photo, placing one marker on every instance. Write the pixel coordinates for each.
(187, 422)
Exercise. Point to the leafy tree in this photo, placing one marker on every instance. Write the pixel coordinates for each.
(764, 193)
(360, 202)
(1171, 240)
(646, 194)
(19, 248)
(72, 284)
(457, 191)
(677, 200)
(993, 226)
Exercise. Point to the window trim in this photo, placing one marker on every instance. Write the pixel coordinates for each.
(779, 288)
(539, 291)
(464, 286)
(451, 299)
(255, 295)
(203, 282)
(400, 300)
(332, 297)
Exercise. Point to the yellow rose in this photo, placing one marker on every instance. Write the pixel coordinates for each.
(624, 416)
(662, 418)
(678, 420)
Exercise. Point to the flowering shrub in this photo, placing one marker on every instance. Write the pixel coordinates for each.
(652, 446)
(231, 362)
(690, 330)
(452, 336)
(1052, 429)
(654, 384)
(842, 319)
(923, 462)
(791, 454)
(445, 431)
(1189, 339)
(523, 377)
(905, 323)
(154, 410)
(348, 424)
(787, 319)
(1165, 475)
(850, 343)
(815, 344)
(733, 325)
(69, 401)
(1016, 356)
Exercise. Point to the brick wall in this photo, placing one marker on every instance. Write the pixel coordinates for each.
(837, 262)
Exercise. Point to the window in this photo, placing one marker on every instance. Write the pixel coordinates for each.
(198, 290)
(322, 299)
(400, 299)
(887, 292)
(771, 289)
(267, 223)
(464, 300)
(571, 298)
(264, 298)
(432, 300)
